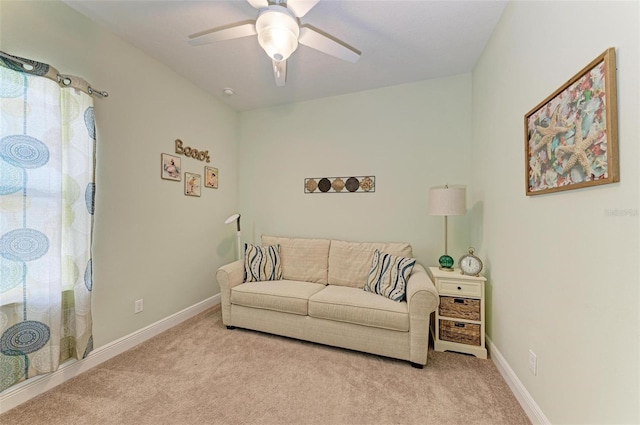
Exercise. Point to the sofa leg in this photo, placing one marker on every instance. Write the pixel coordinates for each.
(231, 327)
(417, 365)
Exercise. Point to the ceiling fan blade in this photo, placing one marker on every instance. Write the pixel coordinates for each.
(259, 4)
(316, 39)
(300, 7)
(280, 72)
(228, 32)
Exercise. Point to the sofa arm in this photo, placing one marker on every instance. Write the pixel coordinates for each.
(228, 276)
(422, 300)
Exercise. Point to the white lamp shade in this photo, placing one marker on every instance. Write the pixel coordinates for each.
(231, 218)
(278, 32)
(447, 201)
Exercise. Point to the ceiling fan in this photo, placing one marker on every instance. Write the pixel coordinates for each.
(279, 32)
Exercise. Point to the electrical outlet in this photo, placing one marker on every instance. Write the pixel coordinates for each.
(533, 363)
(138, 306)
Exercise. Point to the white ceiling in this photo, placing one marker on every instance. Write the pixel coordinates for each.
(401, 42)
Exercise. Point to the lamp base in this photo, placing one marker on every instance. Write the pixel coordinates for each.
(446, 263)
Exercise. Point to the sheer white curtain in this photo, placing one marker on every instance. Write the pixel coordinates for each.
(47, 145)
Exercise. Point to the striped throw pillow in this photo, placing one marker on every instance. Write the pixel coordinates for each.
(389, 274)
(262, 263)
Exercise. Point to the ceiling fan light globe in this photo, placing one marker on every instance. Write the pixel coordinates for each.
(278, 33)
(278, 43)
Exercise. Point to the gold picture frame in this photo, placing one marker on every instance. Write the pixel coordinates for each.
(211, 177)
(571, 137)
(170, 167)
(192, 184)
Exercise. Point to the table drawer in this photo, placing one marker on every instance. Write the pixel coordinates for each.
(460, 308)
(463, 333)
(459, 288)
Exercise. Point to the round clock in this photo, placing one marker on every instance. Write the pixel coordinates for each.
(470, 264)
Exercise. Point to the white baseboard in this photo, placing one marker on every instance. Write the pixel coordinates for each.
(531, 408)
(35, 386)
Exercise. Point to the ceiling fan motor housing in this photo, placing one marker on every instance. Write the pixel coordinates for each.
(278, 32)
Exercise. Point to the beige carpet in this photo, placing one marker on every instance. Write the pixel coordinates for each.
(201, 373)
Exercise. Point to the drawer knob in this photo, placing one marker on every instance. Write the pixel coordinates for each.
(459, 288)
(458, 300)
(458, 325)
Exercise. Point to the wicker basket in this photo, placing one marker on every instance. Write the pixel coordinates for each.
(460, 308)
(463, 333)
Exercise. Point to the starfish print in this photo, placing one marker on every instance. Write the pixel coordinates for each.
(548, 133)
(536, 170)
(577, 150)
(601, 163)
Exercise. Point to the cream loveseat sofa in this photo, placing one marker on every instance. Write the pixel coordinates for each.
(321, 299)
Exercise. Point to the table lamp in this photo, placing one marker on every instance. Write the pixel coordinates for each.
(446, 201)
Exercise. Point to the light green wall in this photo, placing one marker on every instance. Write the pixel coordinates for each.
(151, 241)
(574, 303)
(563, 273)
(410, 137)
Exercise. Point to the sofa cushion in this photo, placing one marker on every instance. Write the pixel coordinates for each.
(350, 262)
(262, 263)
(389, 274)
(283, 295)
(302, 259)
(353, 305)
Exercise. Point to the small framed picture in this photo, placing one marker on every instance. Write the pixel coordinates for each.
(192, 184)
(211, 177)
(171, 166)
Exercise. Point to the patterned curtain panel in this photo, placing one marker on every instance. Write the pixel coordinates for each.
(47, 145)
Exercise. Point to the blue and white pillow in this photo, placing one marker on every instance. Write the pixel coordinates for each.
(389, 274)
(262, 263)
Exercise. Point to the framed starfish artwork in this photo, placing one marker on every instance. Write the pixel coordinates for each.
(571, 137)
